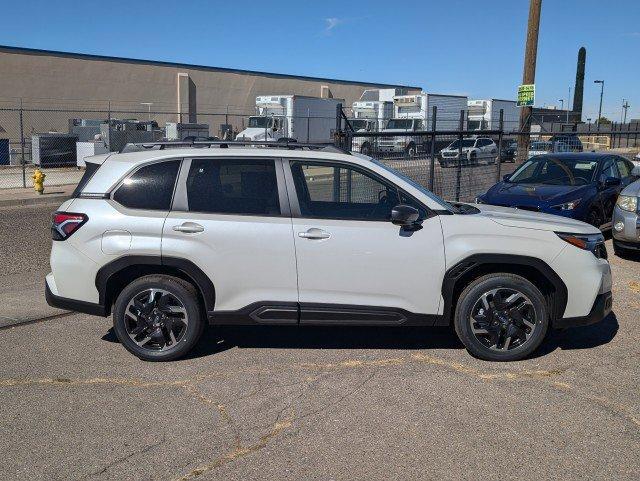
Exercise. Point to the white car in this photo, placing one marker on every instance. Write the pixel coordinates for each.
(474, 149)
(168, 239)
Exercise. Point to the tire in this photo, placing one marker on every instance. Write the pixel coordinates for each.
(176, 299)
(593, 218)
(366, 149)
(524, 338)
(411, 150)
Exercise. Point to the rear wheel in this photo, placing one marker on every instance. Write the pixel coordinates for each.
(158, 318)
(501, 317)
(366, 149)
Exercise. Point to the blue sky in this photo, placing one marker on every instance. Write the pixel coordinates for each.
(456, 46)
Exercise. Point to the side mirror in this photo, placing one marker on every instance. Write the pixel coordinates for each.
(506, 177)
(404, 215)
(609, 181)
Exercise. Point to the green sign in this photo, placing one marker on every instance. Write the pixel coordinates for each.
(526, 95)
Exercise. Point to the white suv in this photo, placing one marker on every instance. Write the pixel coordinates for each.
(474, 149)
(168, 239)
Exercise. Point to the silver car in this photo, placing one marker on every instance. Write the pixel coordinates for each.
(626, 218)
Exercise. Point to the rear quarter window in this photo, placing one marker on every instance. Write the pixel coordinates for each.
(90, 170)
(150, 187)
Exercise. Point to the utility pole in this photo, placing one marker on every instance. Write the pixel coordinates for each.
(529, 73)
(625, 106)
(601, 82)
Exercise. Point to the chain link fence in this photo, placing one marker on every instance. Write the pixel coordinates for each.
(460, 164)
(444, 154)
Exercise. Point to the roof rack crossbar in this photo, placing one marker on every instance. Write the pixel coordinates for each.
(241, 143)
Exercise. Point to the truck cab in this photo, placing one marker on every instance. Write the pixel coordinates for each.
(407, 144)
(267, 128)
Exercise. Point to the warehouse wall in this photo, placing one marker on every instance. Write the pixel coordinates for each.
(31, 74)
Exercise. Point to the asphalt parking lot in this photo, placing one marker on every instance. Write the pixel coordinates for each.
(315, 403)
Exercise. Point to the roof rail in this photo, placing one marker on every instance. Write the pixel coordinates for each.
(224, 144)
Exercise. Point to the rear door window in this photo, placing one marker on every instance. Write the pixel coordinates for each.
(150, 187)
(233, 186)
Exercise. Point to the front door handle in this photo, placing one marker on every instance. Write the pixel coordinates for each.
(314, 234)
(188, 228)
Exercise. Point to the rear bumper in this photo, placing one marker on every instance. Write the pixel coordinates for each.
(73, 304)
(601, 309)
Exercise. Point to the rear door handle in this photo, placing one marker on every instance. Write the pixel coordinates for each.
(188, 228)
(314, 234)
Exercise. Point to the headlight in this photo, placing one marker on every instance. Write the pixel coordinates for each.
(628, 203)
(567, 205)
(582, 241)
(399, 141)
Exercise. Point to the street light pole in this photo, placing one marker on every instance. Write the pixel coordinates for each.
(601, 82)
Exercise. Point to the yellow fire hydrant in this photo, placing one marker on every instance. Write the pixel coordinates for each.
(38, 181)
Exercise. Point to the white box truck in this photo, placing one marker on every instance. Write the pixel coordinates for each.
(412, 113)
(304, 119)
(485, 114)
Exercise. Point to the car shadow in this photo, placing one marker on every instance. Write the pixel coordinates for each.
(629, 256)
(217, 339)
(585, 337)
(221, 338)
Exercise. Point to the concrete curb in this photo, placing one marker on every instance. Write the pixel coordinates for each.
(43, 199)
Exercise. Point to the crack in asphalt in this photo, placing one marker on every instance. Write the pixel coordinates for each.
(144, 450)
(612, 406)
(239, 450)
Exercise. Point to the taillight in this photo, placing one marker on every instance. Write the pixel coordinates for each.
(66, 223)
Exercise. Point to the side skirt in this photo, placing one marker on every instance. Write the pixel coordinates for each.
(292, 313)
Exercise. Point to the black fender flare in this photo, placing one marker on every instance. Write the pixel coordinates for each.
(202, 282)
(475, 261)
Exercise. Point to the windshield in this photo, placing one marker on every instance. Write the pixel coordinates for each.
(465, 143)
(259, 122)
(545, 146)
(445, 205)
(401, 124)
(551, 170)
(358, 124)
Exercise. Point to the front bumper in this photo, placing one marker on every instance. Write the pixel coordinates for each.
(630, 232)
(601, 308)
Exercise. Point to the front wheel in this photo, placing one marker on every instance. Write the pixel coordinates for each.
(594, 218)
(158, 318)
(501, 317)
(411, 150)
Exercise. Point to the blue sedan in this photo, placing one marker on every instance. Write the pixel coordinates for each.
(582, 186)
